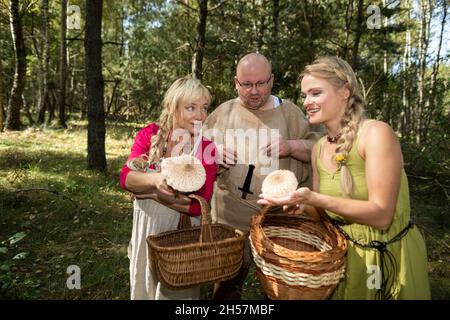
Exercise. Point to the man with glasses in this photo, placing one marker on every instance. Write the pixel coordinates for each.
(253, 113)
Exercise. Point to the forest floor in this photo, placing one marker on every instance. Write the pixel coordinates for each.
(54, 213)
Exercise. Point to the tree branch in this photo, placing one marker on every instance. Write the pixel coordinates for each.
(444, 189)
(186, 5)
(113, 80)
(217, 6)
(113, 42)
(79, 34)
(419, 177)
(336, 43)
(366, 93)
(29, 5)
(74, 39)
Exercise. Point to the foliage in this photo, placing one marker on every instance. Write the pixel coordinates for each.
(87, 222)
(146, 45)
(9, 263)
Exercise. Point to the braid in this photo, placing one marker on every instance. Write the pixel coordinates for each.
(350, 124)
(165, 122)
(142, 162)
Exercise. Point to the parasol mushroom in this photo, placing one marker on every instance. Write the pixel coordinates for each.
(184, 173)
(279, 183)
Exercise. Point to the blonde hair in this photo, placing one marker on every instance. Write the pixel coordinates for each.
(183, 90)
(339, 73)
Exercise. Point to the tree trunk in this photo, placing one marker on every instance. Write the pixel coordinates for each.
(83, 104)
(275, 30)
(258, 25)
(63, 66)
(431, 101)
(51, 103)
(406, 113)
(36, 46)
(348, 28)
(384, 111)
(113, 97)
(2, 108)
(358, 33)
(94, 86)
(309, 28)
(45, 62)
(26, 109)
(71, 82)
(197, 61)
(260, 34)
(15, 100)
(425, 14)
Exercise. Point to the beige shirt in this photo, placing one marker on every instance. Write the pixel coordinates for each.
(287, 120)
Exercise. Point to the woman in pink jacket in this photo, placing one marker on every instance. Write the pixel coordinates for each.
(157, 207)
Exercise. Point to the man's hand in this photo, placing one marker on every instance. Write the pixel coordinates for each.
(226, 156)
(281, 148)
(296, 149)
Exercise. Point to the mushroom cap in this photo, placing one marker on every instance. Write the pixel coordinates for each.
(184, 173)
(279, 183)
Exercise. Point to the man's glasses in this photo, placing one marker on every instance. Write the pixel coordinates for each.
(258, 85)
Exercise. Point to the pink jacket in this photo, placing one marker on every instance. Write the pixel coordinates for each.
(141, 146)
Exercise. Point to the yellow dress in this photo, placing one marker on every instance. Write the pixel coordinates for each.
(364, 272)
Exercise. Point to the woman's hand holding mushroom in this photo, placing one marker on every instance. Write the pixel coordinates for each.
(179, 199)
(294, 210)
(300, 196)
(161, 185)
(298, 202)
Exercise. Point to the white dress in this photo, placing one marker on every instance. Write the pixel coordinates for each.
(151, 218)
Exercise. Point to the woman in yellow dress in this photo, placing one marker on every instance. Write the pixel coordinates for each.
(359, 180)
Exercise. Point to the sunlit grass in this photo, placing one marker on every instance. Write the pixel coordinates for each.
(91, 230)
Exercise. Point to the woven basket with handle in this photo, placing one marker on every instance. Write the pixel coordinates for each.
(297, 257)
(190, 257)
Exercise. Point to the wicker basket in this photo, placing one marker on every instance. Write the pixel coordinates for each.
(297, 258)
(190, 257)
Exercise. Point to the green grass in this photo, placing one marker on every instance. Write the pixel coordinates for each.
(431, 210)
(87, 222)
(91, 230)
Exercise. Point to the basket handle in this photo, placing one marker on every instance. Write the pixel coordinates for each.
(205, 229)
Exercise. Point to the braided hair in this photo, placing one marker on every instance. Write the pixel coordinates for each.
(339, 73)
